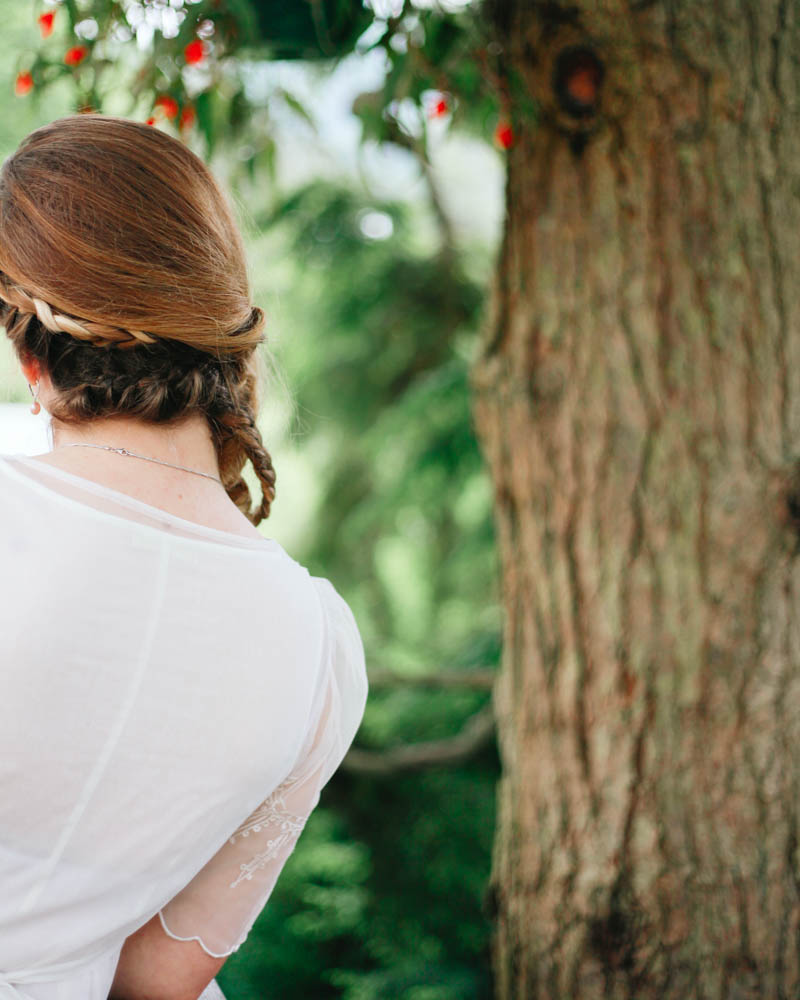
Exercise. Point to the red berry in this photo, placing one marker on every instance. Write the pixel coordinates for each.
(23, 84)
(194, 52)
(75, 55)
(168, 105)
(504, 135)
(46, 23)
(187, 117)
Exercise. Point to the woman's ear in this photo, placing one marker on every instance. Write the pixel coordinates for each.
(31, 369)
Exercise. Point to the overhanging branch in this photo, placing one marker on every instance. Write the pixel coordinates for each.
(477, 732)
(475, 680)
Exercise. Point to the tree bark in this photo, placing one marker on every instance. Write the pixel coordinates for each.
(637, 397)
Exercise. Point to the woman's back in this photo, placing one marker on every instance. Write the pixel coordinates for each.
(161, 679)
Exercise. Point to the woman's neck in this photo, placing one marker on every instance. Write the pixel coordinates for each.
(188, 443)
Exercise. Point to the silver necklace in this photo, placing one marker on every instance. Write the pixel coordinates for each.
(132, 454)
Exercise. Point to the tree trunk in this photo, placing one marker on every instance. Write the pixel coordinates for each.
(637, 397)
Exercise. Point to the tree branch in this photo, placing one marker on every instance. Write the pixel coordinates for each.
(448, 247)
(474, 680)
(477, 732)
(400, 137)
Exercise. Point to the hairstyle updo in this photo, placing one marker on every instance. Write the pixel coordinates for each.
(122, 271)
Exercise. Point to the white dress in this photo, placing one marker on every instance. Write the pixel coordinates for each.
(173, 699)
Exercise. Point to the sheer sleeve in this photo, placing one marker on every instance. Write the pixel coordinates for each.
(219, 906)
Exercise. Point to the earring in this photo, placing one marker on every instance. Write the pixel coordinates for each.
(37, 406)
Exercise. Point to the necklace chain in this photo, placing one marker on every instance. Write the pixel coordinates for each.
(132, 454)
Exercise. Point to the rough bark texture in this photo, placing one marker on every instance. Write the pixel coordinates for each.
(638, 400)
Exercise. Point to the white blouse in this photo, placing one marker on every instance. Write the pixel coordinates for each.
(174, 697)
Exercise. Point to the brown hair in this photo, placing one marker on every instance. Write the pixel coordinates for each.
(123, 272)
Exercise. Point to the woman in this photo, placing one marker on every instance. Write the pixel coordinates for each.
(176, 690)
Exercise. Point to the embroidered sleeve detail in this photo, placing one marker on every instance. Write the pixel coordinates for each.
(272, 812)
(274, 817)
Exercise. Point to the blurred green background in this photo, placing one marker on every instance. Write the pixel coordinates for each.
(372, 264)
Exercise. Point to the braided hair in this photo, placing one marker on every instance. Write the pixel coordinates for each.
(144, 312)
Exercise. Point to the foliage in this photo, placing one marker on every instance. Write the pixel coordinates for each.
(183, 64)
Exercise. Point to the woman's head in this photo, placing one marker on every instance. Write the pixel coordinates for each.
(122, 272)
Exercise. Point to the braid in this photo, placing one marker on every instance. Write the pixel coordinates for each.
(238, 438)
(87, 330)
(160, 381)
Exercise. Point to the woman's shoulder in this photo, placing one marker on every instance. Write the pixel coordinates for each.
(345, 646)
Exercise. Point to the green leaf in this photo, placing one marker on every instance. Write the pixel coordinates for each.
(297, 107)
(266, 158)
(72, 11)
(239, 111)
(205, 118)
